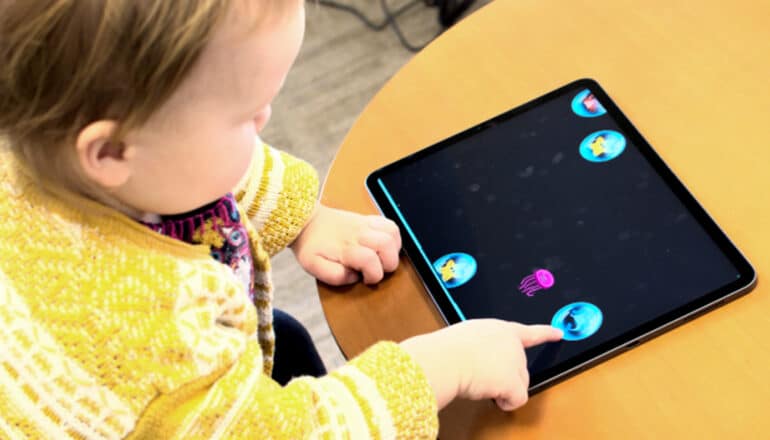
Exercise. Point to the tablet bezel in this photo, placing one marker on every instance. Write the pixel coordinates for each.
(438, 293)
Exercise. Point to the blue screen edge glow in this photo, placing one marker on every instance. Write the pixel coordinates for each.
(419, 248)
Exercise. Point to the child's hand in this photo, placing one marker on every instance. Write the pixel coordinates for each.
(479, 359)
(336, 246)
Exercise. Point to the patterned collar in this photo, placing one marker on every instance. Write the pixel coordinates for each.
(219, 226)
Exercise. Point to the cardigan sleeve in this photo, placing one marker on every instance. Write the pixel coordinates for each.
(48, 392)
(381, 394)
(278, 195)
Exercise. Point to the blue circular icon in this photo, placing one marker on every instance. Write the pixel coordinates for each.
(578, 320)
(455, 269)
(602, 146)
(585, 104)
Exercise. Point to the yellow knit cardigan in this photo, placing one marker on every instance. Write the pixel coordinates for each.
(110, 330)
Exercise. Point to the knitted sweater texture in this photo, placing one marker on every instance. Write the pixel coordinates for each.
(110, 330)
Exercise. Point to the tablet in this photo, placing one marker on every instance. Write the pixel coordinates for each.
(559, 212)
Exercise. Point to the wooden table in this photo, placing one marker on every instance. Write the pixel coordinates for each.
(694, 77)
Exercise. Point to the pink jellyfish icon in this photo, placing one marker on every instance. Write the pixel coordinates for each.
(539, 280)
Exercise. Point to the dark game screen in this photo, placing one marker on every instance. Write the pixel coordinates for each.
(555, 216)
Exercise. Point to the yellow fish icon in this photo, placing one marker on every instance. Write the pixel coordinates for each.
(597, 146)
(448, 270)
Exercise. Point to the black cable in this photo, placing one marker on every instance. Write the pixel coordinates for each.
(449, 11)
(397, 29)
(360, 15)
(390, 19)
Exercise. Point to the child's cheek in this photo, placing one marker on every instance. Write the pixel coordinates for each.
(260, 121)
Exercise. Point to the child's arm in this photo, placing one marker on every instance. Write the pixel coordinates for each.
(390, 391)
(380, 394)
(278, 195)
(198, 378)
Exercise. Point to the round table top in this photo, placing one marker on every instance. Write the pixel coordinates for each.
(693, 77)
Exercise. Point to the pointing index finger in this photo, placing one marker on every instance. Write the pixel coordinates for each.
(532, 335)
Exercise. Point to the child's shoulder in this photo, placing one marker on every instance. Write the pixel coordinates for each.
(45, 227)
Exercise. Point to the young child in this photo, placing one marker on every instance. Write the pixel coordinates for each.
(138, 212)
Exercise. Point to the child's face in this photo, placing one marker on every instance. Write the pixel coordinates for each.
(199, 144)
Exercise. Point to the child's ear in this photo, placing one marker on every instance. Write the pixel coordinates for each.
(103, 160)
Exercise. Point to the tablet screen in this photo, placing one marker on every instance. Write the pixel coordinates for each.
(559, 212)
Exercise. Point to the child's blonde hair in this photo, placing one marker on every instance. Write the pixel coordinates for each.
(67, 63)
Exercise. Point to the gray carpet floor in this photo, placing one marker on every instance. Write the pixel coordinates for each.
(341, 66)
